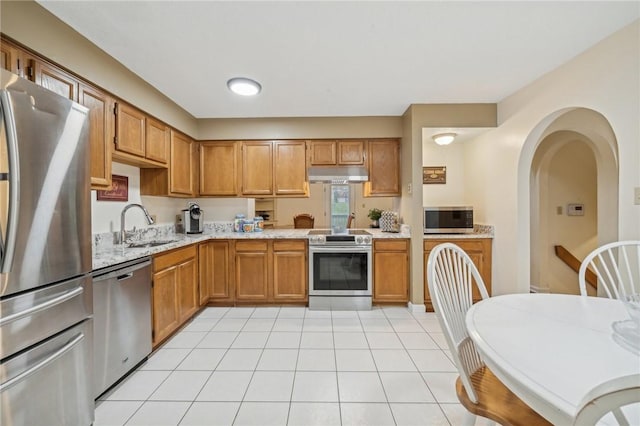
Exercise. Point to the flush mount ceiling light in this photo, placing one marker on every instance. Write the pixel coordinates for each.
(444, 138)
(244, 86)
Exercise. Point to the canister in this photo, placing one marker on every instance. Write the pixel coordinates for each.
(237, 223)
(247, 225)
(258, 224)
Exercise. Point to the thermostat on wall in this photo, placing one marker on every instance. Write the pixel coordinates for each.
(575, 210)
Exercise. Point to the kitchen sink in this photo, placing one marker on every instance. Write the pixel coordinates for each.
(147, 244)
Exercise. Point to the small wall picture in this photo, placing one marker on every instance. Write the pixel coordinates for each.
(434, 174)
(119, 190)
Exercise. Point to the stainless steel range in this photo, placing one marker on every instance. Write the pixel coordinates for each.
(339, 270)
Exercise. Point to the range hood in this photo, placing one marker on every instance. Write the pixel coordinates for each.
(338, 175)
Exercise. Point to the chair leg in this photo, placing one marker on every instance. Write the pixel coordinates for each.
(469, 418)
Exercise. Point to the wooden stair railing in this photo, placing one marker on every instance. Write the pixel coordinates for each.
(573, 263)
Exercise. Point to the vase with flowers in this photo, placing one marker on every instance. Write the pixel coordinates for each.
(374, 215)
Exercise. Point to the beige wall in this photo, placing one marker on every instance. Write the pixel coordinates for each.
(317, 205)
(299, 128)
(33, 26)
(415, 119)
(569, 177)
(604, 79)
(452, 193)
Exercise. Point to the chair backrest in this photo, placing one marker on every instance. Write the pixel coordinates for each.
(617, 266)
(303, 220)
(350, 220)
(451, 275)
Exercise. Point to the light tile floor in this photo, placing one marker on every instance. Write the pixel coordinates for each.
(291, 366)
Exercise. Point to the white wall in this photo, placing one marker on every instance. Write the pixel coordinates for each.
(604, 79)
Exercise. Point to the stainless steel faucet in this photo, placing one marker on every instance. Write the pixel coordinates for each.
(123, 233)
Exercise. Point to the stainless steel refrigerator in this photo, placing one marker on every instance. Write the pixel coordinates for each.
(46, 328)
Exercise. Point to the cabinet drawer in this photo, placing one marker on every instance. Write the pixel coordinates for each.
(468, 245)
(390, 245)
(290, 245)
(251, 245)
(174, 257)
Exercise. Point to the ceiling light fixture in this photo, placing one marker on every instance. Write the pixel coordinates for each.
(244, 86)
(444, 138)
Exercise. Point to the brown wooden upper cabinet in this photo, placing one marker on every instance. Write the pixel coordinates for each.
(130, 130)
(178, 179)
(337, 152)
(218, 168)
(384, 168)
(140, 140)
(289, 168)
(56, 80)
(101, 131)
(10, 57)
(157, 140)
(181, 180)
(257, 168)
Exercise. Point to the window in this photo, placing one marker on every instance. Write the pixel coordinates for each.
(340, 200)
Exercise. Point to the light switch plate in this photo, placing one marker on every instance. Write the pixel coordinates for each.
(636, 196)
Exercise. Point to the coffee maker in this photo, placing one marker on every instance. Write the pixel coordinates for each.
(193, 219)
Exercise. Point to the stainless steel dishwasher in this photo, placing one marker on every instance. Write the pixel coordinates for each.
(121, 320)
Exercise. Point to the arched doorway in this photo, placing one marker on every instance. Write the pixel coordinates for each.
(585, 129)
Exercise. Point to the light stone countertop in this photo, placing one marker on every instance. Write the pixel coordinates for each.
(105, 255)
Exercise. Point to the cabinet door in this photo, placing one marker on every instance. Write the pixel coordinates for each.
(9, 57)
(157, 141)
(56, 80)
(187, 289)
(215, 278)
(479, 250)
(323, 153)
(257, 168)
(165, 303)
(351, 153)
(252, 271)
(219, 168)
(130, 130)
(181, 169)
(101, 129)
(384, 169)
(290, 168)
(290, 271)
(391, 271)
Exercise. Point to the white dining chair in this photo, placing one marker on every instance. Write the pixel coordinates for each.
(617, 268)
(451, 276)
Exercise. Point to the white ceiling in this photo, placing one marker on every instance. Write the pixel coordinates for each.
(321, 58)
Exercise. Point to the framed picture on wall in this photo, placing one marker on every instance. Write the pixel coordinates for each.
(119, 190)
(434, 174)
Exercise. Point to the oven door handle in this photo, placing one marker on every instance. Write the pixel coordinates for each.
(339, 249)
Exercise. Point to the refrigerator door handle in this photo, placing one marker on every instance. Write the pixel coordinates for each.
(42, 306)
(48, 360)
(7, 246)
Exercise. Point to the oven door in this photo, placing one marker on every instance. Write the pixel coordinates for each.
(339, 271)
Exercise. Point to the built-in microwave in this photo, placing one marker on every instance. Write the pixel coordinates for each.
(448, 220)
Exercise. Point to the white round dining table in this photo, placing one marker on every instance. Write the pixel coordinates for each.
(553, 350)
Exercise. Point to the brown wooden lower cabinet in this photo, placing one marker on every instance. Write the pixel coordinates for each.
(215, 266)
(290, 271)
(268, 271)
(175, 290)
(478, 249)
(391, 271)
